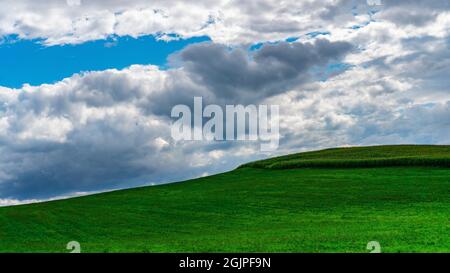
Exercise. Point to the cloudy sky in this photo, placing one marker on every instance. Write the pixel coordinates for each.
(86, 87)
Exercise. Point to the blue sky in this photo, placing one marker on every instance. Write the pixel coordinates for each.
(29, 61)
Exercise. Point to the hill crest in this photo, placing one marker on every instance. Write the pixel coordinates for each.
(361, 157)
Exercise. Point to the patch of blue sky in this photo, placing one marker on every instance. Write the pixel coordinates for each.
(259, 45)
(361, 25)
(314, 34)
(255, 46)
(289, 40)
(31, 62)
(292, 39)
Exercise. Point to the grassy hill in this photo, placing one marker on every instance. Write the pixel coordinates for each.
(362, 157)
(258, 208)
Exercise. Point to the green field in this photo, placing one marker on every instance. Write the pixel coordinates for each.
(360, 157)
(257, 208)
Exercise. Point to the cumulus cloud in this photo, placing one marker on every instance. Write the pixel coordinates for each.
(231, 73)
(226, 22)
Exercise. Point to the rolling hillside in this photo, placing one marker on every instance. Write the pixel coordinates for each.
(361, 157)
(260, 207)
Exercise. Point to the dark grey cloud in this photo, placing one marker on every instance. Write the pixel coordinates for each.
(236, 74)
(416, 13)
(100, 130)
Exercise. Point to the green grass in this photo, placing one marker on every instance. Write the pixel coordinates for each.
(406, 209)
(362, 157)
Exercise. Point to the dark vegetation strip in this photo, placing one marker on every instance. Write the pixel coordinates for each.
(352, 163)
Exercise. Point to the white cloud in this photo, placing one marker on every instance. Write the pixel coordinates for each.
(14, 202)
(98, 130)
(228, 22)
